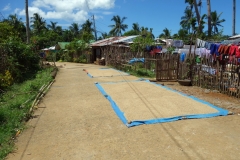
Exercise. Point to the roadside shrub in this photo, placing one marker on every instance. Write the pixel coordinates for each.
(21, 60)
(6, 80)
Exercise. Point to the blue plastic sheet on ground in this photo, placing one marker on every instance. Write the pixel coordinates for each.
(90, 75)
(134, 60)
(120, 114)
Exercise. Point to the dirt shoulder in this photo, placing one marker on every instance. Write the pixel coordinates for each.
(75, 121)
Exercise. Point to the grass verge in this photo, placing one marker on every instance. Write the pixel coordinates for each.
(14, 108)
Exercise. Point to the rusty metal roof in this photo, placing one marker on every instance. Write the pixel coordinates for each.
(113, 40)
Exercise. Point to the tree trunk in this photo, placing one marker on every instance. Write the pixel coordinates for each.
(234, 17)
(209, 18)
(27, 22)
(198, 15)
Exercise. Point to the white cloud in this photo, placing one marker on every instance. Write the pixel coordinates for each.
(17, 10)
(68, 10)
(7, 7)
(107, 13)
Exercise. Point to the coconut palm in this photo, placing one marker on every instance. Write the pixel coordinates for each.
(216, 21)
(151, 34)
(27, 22)
(166, 34)
(74, 28)
(14, 21)
(191, 4)
(59, 30)
(39, 24)
(185, 20)
(52, 26)
(87, 26)
(135, 27)
(118, 27)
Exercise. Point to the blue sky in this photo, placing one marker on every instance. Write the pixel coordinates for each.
(156, 14)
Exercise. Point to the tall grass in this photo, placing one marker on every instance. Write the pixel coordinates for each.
(14, 108)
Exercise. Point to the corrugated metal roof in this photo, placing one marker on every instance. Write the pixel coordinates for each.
(234, 37)
(113, 40)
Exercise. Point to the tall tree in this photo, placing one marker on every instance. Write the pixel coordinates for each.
(196, 11)
(18, 25)
(209, 18)
(135, 27)
(87, 26)
(119, 25)
(74, 28)
(166, 34)
(185, 20)
(234, 18)
(52, 26)
(27, 22)
(191, 4)
(39, 24)
(216, 21)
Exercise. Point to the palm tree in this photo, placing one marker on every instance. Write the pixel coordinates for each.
(118, 27)
(104, 35)
(166, 34)
(135, 27)
(185, 20)
(27, 22)
(14, 21)
(39, 24)
(151, 34)
(59, 30)
(52, 26)
(191, 3)
(209, 18)
(67, 36)
(87, 26)
(74, 28)
(216, 21)
(234, 18)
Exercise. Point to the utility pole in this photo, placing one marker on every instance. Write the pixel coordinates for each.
(95, 31)
(234, 17)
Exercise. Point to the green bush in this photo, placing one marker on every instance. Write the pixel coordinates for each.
(15, 104)
(21, 59)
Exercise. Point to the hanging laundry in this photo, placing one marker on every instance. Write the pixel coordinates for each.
(178, 43)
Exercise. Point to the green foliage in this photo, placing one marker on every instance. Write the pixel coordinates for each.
(170, 49)
(21, 59)
(15, 105)
(131, 33)
(6, 80)
(141, 72)
(119, 25)
(140, 43)
(75, 51)
(6, 30)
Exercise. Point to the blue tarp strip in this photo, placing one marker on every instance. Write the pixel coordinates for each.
(116, 109)
(89, 75)
(120, 114)
(134, 60)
